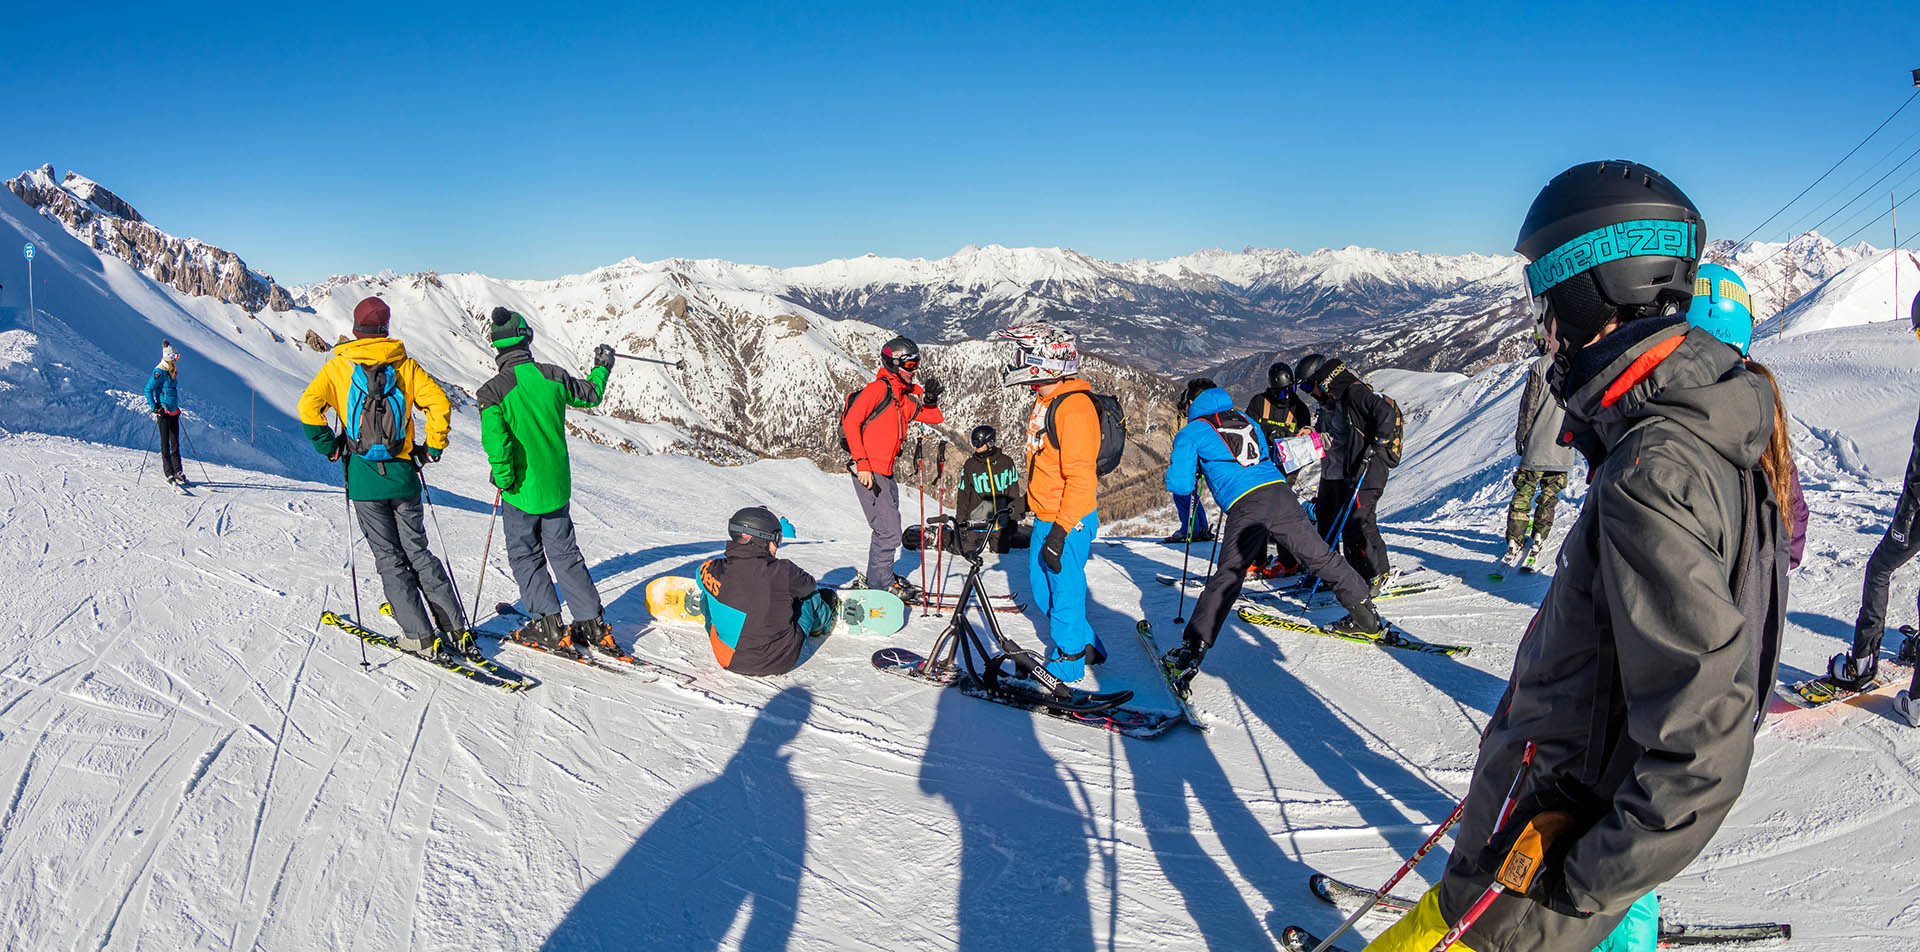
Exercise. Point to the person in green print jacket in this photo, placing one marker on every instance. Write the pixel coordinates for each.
(523, 411)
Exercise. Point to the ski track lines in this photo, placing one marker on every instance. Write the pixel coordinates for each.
(285, 798)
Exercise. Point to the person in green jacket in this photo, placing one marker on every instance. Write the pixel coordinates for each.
(523, 411)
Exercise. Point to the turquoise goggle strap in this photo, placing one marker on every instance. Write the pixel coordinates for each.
(1627, 239)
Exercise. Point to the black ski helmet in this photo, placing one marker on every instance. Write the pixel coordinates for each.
(1195, 388)
(1609, 239)
(898, 353)
(1279, 377)
(754, 524)
(1307, 366)
(983, 435)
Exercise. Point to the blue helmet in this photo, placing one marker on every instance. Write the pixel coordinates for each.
(1721, 306)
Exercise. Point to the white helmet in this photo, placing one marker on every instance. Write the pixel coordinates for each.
(1042, 354)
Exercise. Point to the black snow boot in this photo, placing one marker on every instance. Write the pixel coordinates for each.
(1843, 671)
(594, 633)
(1182, 663)
(1363, 622)
(546, 632)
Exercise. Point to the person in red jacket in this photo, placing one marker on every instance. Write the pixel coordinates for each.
(875, 427)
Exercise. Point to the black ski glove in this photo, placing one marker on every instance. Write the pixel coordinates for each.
(340, 446)
(1560, 814)
(1055, 546)
(424, 454)
(932, 388)
(603, 356)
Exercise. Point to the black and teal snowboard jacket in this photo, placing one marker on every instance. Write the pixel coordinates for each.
(989, 490)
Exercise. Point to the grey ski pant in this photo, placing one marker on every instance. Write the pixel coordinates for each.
(1265, 513)
(396, 531)
(536, 542)
(881, 506)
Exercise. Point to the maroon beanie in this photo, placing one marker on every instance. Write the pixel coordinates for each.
(370, 318)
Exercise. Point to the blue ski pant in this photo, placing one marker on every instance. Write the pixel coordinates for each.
(1062, 596)
(536, 542)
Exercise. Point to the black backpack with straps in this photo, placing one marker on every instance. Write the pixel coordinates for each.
(1113, 428)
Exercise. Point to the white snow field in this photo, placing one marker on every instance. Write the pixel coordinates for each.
(189, 761)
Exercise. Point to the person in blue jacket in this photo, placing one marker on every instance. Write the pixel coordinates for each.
(163, 400)
(1230, 449)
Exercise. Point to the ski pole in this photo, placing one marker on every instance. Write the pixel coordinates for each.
(1187, 558)
(445, 566)
(920, 487)
(1401, 873)
(480, 583)
(196, 458)
(1340, 524)
(353, 570)
(940, 497)
(680, 364)
(149, 452)
(1493, 891)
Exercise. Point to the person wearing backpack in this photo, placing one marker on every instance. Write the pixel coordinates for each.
(163, 400)
(874, 427)
(1544, 465)
(1066, 440)
(1232, 450)
(1626, 733)
(523, 424)
(372, 387)
(989, 504)
(1362, 429)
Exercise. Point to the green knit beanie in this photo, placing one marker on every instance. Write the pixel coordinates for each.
(509, 329)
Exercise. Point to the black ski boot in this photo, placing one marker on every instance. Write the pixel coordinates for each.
(1843, 671)
(908, 592)
(546, 632)
(594, 633)
(433, 648)
(1181, 664)
(1363, 622)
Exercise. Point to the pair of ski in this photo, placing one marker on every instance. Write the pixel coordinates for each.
(623, 664)
(1348, 898)
(1394, 637)
(477, 670)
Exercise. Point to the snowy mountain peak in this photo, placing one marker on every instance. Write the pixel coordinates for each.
(106, 222)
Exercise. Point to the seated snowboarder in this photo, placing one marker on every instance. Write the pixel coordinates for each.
(989, 504)
(760, 608)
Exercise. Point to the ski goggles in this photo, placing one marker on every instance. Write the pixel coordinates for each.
(910, 364)
(1061, 367)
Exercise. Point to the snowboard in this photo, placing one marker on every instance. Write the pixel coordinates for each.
(866, 611)
(1819, 692)
(676, 599)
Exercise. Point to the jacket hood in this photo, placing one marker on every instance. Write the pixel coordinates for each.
(1209, 402)
(371, 350)
(747, 550)
(1682, 373)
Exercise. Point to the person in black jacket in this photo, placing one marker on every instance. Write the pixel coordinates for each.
(1279, 406)
(1362, 429)
(989, 503)
(1861, 666)
(760, 608)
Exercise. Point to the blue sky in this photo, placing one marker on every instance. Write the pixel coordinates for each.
(531, 140)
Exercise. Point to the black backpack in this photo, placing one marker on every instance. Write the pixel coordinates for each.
(376, 421)
(1113, 428)
(1245, 438)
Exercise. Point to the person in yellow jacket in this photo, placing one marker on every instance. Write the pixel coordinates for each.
(1062, 454)
(372, 387)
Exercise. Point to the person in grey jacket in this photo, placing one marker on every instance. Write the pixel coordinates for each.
(1544, 465)
(1627, 728)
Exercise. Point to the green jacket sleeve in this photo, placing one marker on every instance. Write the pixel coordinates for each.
(321, 435)
(585, 393)
(499, 446)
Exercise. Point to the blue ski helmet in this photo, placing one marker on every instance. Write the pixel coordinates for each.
(1721, 306)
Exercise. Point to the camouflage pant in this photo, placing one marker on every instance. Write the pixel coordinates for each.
(1540, 522)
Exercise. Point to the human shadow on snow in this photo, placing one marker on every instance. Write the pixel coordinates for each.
(1023, 835)
(739, 840)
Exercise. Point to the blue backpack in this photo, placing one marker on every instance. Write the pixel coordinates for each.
(376, 414)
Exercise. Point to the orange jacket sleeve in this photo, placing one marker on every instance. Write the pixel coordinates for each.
(1078, 425)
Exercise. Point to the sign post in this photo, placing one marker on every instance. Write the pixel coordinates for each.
(35, 316)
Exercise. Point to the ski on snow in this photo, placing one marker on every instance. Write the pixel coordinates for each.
(1347, 897)
(476, 659)
(625, 664)
(1106, 711)
(1199, 719)
(1395, 638)
(474, 675)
